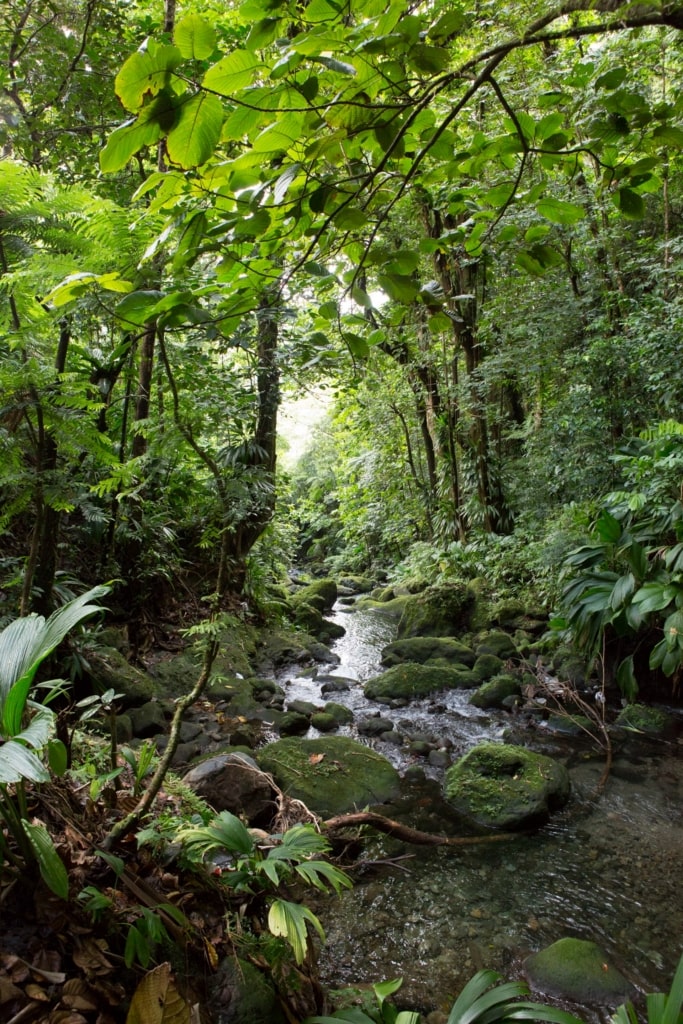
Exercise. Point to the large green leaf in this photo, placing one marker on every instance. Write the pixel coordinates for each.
(18, 763)
(145, 73)
(51, 865)
(290, 920)
(232, 73)
(629, 203)
(197, 130)
(560, 212)
(26, 642)
(147, 129)
(194, 37)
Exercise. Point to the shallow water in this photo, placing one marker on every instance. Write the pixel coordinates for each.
(606, 870)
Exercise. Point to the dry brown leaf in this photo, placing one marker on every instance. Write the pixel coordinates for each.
(316, 758)
(34, 991)
(77, 995)
(113, 993)
(9, 991)
(65, 1017)
(15, 967)
(157, 1000)
(126, 803)
(90, 957)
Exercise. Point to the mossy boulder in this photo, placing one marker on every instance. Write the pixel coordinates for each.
(293, 723)
(109, 670)
(577, 970)
(411, 681)
(357, 584)
(499, 644)
(341, 714)
(493, 693)
(320, 594)
(506, 787)
(330, 774)
(425, 649)
(486, 667)
(444, 610)
(649, 721)
(323, 721)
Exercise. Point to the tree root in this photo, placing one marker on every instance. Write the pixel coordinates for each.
(408, 834)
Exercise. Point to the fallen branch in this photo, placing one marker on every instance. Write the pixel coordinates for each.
(408, 834)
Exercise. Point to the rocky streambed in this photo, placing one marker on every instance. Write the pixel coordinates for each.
(604, 869)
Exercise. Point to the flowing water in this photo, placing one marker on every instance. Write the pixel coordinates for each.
(606, 870)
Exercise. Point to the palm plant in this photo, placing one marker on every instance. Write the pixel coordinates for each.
(662, 1008)
(26, 729)
(291, 856)
(482, 1001)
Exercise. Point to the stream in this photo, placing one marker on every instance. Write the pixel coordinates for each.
(608, 871)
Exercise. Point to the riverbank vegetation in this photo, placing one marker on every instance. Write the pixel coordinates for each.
(456, 228)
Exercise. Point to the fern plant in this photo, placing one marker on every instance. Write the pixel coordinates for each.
(265, 871)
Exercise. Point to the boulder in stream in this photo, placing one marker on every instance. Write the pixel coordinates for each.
(412, 681)
(500, 786)
(493, 693)
(332, 774)
(578, 970)
(428, 650)
(233, 782)
(444, 610)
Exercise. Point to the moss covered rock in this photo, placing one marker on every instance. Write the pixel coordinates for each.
(320, 594)
(425, 649)
(643, 719)
(499, 644)
(323, 721)
(506, 787)
(444, 610)
(109, 670)
(341, 714)
(578, 970)
(486, 667)
(331, 774)
(357, 584)
(493, 693)
(411, 680)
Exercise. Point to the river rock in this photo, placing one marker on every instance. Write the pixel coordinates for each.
(506, 787)
(493, 693)
(293, 723)
(233, 782)
(323, 721)
(411, 681)
(499, 644)
(444, 610)
(374, 726)
(638, 718)
(357, 584)
(330, 774)
(341, 714)
(426, 650)
(320, 594)
(487, 666)
(110, 670)
(578, 970)
(148, 720)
